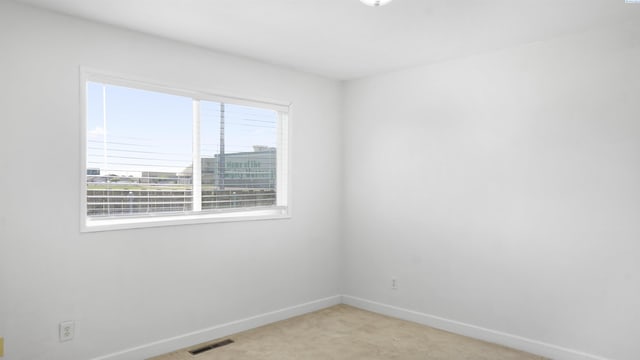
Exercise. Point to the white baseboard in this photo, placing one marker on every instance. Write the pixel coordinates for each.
(178, 342)
(476, 332)
(513, 341)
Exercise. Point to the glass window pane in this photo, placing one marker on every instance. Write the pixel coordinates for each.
(138, 151)
(238, 156)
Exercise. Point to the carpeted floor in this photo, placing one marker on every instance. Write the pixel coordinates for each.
(344, 332)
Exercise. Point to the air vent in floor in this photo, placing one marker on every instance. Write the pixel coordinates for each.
(208, 347)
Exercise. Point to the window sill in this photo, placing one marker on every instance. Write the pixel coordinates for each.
(94, 225)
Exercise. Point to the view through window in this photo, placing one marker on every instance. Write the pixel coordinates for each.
(151, 153)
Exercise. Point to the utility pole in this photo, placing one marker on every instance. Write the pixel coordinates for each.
(221, 161)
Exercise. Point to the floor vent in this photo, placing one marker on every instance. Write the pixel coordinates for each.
(208, 347)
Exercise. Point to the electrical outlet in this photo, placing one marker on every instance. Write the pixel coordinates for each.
(394, 284)
(67, 330)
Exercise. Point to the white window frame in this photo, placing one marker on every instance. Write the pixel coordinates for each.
(282, 209)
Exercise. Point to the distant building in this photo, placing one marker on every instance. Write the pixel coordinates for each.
(256, 170)
(159, 177)
(242, 170)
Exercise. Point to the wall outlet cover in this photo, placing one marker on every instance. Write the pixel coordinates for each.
(67, 330)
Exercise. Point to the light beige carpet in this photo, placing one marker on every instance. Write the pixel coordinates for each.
(344, 332)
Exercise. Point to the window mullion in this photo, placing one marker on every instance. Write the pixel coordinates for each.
(196, 177)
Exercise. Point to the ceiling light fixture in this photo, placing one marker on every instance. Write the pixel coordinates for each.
(375, 2)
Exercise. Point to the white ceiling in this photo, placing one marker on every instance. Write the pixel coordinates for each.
(345, 39)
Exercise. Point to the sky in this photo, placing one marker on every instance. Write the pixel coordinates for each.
(152, 131)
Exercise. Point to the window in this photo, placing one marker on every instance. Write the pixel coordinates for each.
(157, 156)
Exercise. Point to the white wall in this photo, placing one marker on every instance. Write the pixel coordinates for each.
(129, 288)
(502, 191)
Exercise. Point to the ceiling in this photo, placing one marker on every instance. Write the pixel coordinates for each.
(344, 39)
